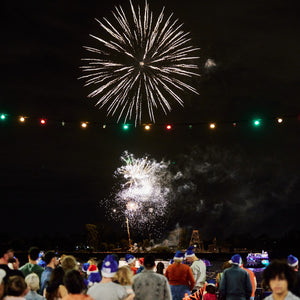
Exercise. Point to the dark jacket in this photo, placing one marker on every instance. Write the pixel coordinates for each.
(235, 284)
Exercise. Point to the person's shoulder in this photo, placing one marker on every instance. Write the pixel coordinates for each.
(38, 267)
(270, 297)
(291, 296)
(25, 266)
(39, 297)
(94, 288)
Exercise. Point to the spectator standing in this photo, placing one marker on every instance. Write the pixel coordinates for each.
(106, 289)
(130, 259)
(198, 268)
(235, 282)
(51, 261)
(225, 266)
(68, 263)
(293, 262)
(180, 277)
(253, 281)
(149, 285)
(5, 255)
(280, 277)
(124, 277)
(41, 262)
(160, 268)
(141, 267)
(56, 289)
(75, 286)
(32, 266)
(210, 292)
(93, 275)
(33, 283)
(2, 275)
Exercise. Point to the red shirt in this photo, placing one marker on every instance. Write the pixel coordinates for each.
(180, 274)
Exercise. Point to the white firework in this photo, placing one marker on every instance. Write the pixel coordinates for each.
(143, 62)
(145, 190)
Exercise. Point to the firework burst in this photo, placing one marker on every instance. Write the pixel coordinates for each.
(143, 196)
(143, 62)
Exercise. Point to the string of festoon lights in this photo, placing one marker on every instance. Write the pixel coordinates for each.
(212, 125)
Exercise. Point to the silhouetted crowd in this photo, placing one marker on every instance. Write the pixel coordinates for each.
(48, 276)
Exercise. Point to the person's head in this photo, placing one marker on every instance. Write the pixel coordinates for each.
(10, 253)
(109, 267)
(50, 258)
(16, 286)
(149, 261)
(33, 282)
(92, 261)
(33, 253)
(73, 282)
(178, 257)
(160, 268)
(226, 265)
(279, 276)
(236, 260)
(211, 288)
(4, 255)
(69, 263)
(292, 261)
(124, 276)
(130, 259)
(190, 255)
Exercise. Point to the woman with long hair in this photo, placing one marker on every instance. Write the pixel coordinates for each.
(56, 289)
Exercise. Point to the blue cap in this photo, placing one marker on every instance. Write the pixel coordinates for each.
(236, 260)
(179, 255)
(292, 261)
(189, 252)
(129, 258)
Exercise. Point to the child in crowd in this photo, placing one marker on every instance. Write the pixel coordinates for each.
(124, 277)
(210, 292)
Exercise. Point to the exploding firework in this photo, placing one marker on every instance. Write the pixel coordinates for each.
(143, 62)
(143, 196)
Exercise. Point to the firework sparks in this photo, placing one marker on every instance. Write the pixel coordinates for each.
(143, 63)
(144, 192)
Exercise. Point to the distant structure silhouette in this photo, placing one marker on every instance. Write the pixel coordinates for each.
(195, 241)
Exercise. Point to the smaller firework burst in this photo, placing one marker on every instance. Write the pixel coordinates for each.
(143, 196)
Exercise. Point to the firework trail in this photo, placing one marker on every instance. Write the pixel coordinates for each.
(142, 62)
(143, 196)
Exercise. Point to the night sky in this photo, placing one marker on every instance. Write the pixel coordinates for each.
(240, 179)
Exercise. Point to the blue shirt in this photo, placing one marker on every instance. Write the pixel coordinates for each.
(45, 278)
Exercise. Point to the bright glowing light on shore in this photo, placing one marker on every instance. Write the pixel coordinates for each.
(212, 125)
(279, 120)
(22, 119)
(84, 124)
